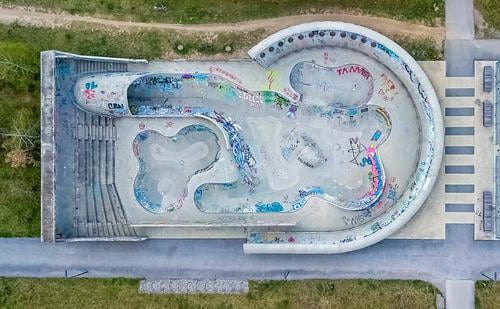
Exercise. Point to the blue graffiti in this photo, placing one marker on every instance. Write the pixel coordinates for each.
(269, 207)
(389, 52)
(241, 151)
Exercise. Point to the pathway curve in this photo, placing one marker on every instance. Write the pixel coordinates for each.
(386, 26)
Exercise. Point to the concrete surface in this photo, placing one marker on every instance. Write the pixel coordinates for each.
(460, 294)
(457, 257)
(347, 80)
(459, 54)
(459, 24)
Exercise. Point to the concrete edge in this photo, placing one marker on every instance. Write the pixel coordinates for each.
(47, 146)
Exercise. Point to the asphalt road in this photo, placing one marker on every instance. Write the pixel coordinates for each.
(457, 257)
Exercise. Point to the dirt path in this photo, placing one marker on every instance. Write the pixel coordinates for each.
(383, 25)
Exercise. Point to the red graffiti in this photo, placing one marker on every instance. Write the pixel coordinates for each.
(89, 94)
(225, 73)
(387, 88)
(351, 68)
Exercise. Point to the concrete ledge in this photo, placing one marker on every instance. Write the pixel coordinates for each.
(47, 60)
(193, 286)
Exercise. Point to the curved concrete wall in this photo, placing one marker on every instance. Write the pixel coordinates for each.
(375, 45)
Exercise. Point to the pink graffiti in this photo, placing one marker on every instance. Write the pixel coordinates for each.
(221, 71)
(89, 94)
(135, 148)
(178, 204)
(290, 93)
(370, 151)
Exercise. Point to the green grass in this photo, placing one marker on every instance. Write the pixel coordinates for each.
(122, 293)
(19, 200)
(208, 11)
(487, 294)
(490, 9)
(421, 49)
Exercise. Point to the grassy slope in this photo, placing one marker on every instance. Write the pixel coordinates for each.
(206, 11)
(487, 295)
(490, 9)
(122, 293)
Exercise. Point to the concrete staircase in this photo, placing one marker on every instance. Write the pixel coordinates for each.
(98, 208)
(90, 66)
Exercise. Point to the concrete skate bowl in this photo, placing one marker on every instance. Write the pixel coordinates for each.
(311, 77)
(345, 140)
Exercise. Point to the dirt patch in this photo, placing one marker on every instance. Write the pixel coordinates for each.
(482, 29)
(387, 26)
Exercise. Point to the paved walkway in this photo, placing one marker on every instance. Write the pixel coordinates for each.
(459, 19)
(457, 257)
(459, 54)
(461, 48)
(460, 294)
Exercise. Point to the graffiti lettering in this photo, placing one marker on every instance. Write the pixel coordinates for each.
(387, 88)
(89, 91)
(292, 94)
(356, 220)
(221, 71)
(356, 149)
(115, 106)
(347, 69)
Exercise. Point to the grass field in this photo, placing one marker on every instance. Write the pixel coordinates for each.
(490, 9)
(487, 295)
(208, 11)
(122, 293)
